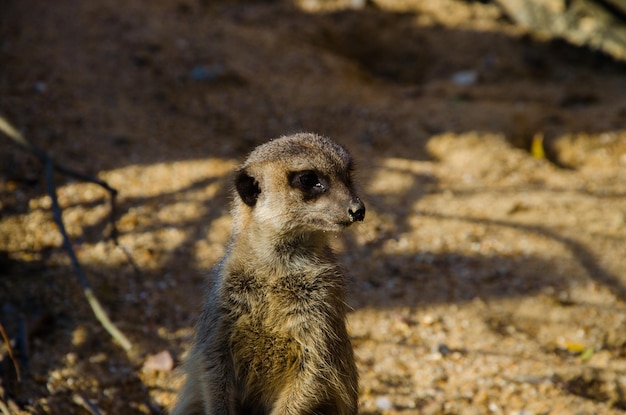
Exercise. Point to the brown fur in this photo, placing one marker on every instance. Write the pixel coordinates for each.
(272, 337)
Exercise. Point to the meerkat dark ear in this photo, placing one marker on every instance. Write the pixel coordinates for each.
(247, 187)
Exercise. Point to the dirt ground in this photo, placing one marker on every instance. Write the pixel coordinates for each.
(484, 279)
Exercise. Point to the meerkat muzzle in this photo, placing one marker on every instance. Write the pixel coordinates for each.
(356, 211)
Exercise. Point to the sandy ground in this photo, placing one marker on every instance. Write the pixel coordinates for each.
(483, 280)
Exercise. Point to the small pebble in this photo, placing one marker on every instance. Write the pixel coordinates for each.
(40, 87)
(465, 78)
(162, 362)
(383, 403)
(443, 349)
(206, 73)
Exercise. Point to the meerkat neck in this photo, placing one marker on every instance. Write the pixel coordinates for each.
(281, 251)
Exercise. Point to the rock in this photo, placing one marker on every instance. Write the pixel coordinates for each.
(465, 78)
(581, 22)
(161, 362)
(206, 73)
(384, 403)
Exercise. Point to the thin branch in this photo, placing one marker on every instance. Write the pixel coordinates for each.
(11, 354)
(85, 403)
(4, 409)
(98, 311)
(20, 140)
(103, 317)
(58, 218)
(50, 166)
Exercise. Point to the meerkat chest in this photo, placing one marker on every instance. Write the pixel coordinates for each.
(260, 294)
(274, 320)
(264, 349)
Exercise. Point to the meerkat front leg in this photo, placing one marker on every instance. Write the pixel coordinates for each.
(210, 385)
(325, 381)
(304, 396)
(295, 399)
(216, 370)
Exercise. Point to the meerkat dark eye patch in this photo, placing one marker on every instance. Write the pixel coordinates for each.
(311, 183)
(247, 188)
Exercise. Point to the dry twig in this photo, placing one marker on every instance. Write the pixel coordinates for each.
(11, 354)
(50, 166)
(85, 403)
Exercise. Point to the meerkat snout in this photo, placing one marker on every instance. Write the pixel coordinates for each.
(356, 211)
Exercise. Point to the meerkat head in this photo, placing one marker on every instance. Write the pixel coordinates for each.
(299, 183)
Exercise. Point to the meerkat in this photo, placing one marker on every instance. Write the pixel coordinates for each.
(272, 338)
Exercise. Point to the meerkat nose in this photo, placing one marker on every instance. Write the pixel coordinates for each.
(356, 210)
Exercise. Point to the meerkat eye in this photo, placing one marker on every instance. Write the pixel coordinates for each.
(309, 182)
